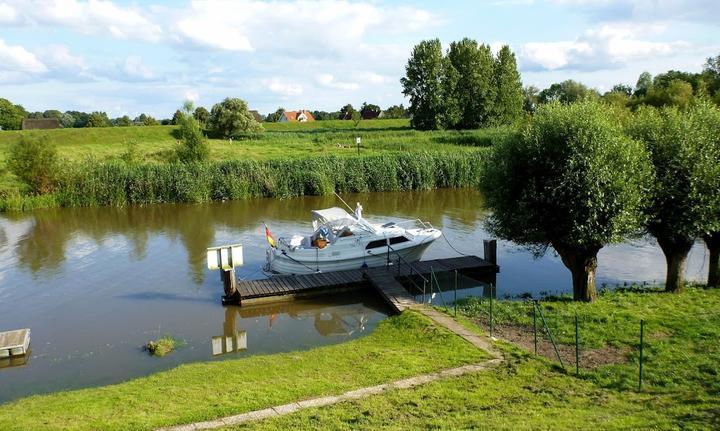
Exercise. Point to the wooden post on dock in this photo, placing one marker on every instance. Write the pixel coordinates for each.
(226, 258)
(490, 250)
(232, 294)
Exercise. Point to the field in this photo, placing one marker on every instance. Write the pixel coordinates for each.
(155, 144)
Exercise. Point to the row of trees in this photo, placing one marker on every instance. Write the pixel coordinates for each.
(672, 88)
(466, 88)
(576, 178)
(348, 112)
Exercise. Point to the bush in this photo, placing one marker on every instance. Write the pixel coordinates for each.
(232, 117)
(35, 162)
(194, 147)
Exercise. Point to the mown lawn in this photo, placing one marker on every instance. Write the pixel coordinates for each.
(400, 346)
(681, 390)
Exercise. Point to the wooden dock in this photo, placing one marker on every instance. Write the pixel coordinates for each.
(383, 279)
(14, 343)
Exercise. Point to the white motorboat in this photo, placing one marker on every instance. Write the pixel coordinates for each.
(341, 241)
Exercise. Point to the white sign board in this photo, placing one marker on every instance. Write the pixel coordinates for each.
(225, 257)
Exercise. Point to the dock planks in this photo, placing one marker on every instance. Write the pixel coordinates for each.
(381, 278)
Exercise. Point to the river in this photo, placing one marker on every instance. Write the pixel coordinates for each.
(95, 284)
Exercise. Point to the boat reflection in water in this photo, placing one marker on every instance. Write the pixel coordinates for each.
(332, 316)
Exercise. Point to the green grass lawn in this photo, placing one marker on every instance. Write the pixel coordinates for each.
(399, 347)
(682, 386)
(280, 140)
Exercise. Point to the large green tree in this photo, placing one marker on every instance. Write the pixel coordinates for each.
(568, 91)
(684, 193)
(509, 98)
(571, 180)
(232, 117)
(98, 119)
(710, 119)
(475, 86)
(11, 116)
(422, 85)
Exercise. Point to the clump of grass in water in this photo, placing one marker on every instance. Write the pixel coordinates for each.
(162, 346)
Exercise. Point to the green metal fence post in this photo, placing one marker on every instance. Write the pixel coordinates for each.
(455, 294)
(491, 310)
(642, 331)
(577, 346)
(534, 325)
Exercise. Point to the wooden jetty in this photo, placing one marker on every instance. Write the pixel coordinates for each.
(14, 343)
(383, 279)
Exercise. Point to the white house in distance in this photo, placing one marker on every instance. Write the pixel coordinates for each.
(301, 116)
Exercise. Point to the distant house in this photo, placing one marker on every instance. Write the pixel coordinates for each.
(256, 115)
(301, 116)
(40, 123)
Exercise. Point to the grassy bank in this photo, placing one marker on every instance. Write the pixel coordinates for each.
(399, 347)
(119, 183)
(96, 155)
(527, 392)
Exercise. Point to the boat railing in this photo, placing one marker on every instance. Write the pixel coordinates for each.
(417, 222)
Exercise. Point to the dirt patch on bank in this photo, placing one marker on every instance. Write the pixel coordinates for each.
(522, 336)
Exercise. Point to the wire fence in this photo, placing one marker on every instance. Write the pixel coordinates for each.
(671, 349)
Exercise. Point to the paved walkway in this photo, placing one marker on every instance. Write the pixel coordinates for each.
(438, 317)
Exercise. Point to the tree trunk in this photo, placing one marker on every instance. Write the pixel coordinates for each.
(582, 264)
(675, 255)
(713, 244)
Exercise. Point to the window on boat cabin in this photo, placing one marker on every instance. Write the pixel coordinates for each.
(398, 240)
(375, 244)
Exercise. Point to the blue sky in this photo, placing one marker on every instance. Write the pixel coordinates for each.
(131, 57)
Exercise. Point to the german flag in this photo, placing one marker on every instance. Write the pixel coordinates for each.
(269, 237)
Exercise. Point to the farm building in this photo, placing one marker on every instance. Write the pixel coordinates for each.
(301, 116)
(40, 123)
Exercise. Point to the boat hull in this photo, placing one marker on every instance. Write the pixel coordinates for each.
(282, 264)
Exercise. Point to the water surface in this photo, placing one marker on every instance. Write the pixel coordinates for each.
(94, 284)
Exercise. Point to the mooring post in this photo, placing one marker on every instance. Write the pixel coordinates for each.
(229, 280)
(490, 250)
(226, 258)
(642, 330)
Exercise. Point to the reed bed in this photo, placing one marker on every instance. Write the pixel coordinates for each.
(115, 183)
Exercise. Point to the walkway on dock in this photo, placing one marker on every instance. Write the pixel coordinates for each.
(298, 285)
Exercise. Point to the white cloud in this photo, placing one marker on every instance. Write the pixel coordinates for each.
(134, 68)
(8, 15)
(59, 58)
(91, 17)
(284, 87)
(607, 47)
(15, 58)
(328, 80)
(317, 27)
(192, 95)
(646, 10)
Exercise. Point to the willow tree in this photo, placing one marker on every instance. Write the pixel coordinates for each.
(684, 195)
(571, 181)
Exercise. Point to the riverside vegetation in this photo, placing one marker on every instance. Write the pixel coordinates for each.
(98, 167)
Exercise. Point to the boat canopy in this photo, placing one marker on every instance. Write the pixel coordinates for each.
(332, 215)
(337, 218)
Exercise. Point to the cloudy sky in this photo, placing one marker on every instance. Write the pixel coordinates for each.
(131, 57)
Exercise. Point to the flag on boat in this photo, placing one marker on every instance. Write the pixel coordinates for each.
(269, 237)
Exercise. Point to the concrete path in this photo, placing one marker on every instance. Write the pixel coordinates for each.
(438, 317)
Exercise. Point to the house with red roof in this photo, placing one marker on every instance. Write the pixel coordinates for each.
(301, 116)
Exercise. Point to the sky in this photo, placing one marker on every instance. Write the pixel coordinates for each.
(127, 57)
